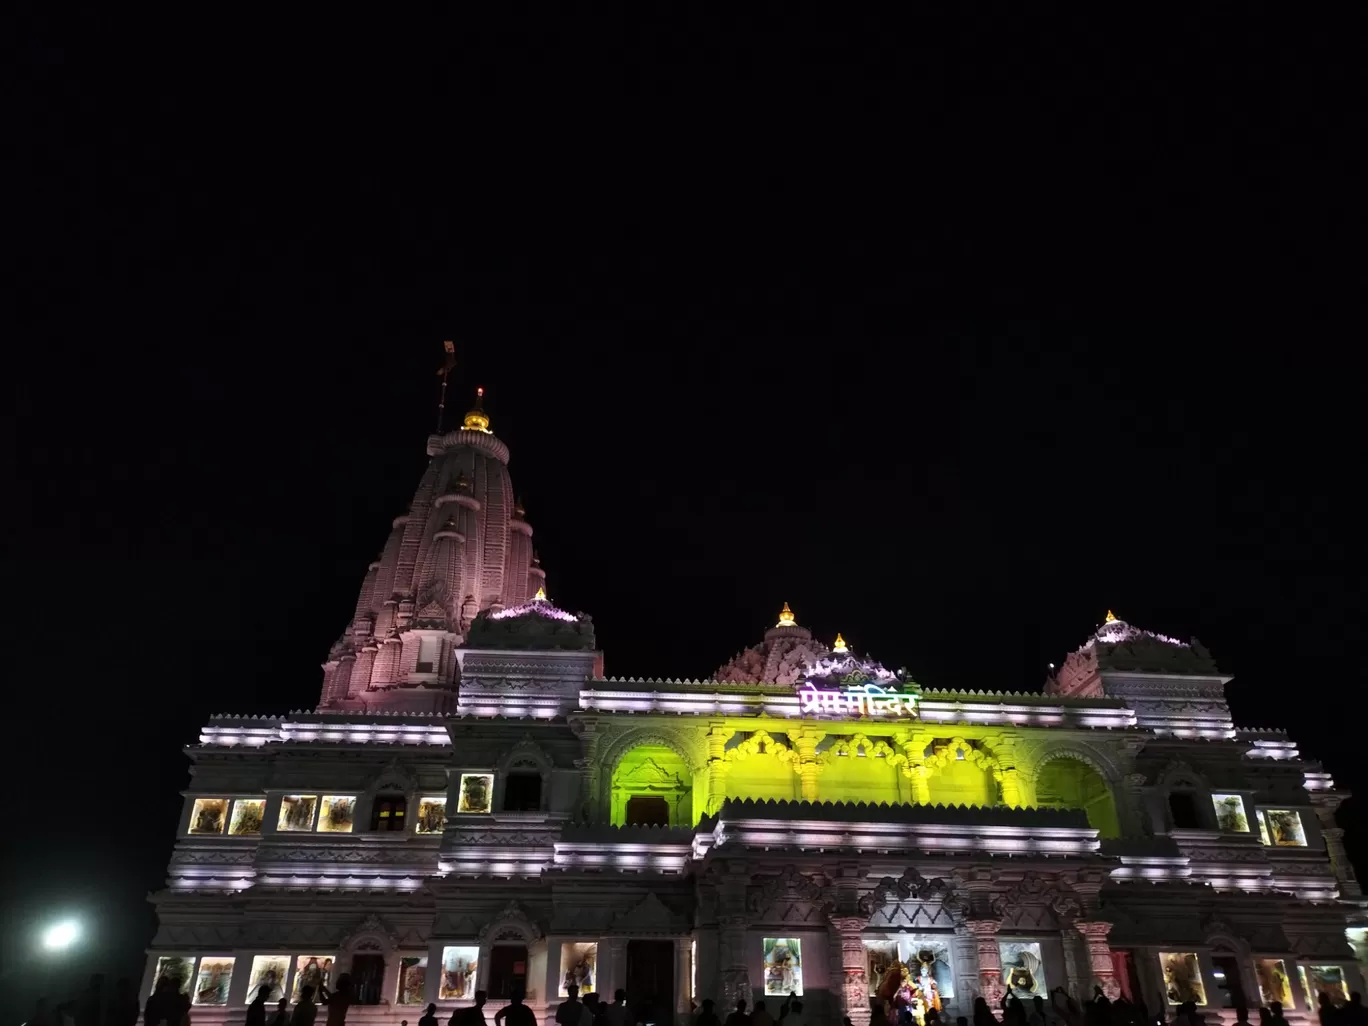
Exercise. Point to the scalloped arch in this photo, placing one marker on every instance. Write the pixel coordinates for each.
(678, 741)
(1080, 752)
(750, 748)
(856, 743)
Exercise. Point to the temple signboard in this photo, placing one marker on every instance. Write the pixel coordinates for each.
(851, 700)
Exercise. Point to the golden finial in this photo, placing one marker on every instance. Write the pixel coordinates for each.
(1111, 617)
(786, 618)
(540, 596)
(840, 645)
(477, 419)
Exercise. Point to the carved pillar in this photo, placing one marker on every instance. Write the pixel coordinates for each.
(1133, 807)
(966, 969)
(718, 735)
(1325, 805)
(805, 740)
(1099, 955)
(591, 800)
(615, 948)
(1011, 788)
(735, 973)
(985, 933)
(921, 785)
(1003, 749)
(683, 978)
(849, 936)
(1075, 976)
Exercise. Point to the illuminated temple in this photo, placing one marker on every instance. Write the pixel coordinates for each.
(473, 805)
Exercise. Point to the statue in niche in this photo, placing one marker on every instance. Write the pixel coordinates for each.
(910, 996)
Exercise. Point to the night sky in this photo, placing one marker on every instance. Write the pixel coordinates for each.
(952, 334)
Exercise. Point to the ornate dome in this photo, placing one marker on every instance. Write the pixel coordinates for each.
(535, 624)
(1117, 645)
(789, 655)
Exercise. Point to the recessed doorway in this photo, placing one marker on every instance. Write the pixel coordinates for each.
(650, 981)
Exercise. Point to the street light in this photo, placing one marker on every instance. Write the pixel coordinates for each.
(60, 936)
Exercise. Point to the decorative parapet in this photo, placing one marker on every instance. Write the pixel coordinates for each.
(401, 728)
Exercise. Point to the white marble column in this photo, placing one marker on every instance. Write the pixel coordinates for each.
(683, 974)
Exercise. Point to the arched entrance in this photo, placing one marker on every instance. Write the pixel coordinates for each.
(1066, 782)
(652, 786)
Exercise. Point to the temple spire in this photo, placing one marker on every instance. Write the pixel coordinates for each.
(839, 645)
(476, 419)
(786, 618)
(540, 596)
(1111, 617)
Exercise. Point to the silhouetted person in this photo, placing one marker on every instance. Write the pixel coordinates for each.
(256, 1011)
(1242, 1014)
(705, 1017)
(282, 1013)
(983, 1015)
(515, 1013)
(739, 1017)
(306, 1011)
(568, 1011)
(1275, 1015)
(961, 1020)
(167, 1005)
(760, 1017)
(429, 1018)
(472, 1016)
(88, 1004)
(1354, 1014)
(338, 1001)
(123, 1006)
(791, 1011)
(618, 1014)
(42, 1014)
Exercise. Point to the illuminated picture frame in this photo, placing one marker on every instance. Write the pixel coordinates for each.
(212, 981)
(1230, 813)
(208, 816)
(431, 814)
(578, 966)
(460, 966)
(179, 968)
(337, 814)
(477, 793)
(297, 813)
(1182, 977)
(783, 966)
(248, 816)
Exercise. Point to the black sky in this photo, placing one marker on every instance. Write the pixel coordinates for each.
(951, 332)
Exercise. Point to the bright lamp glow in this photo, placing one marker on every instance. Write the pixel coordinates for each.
(61, 936)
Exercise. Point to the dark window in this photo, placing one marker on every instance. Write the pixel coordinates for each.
(423, 667)
(647, 810)
(368, 975)
(507, 969)
(1183, 809)
(388, 812)
(522, 792)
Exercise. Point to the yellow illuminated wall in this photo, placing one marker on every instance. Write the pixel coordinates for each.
(1073, 784)
(752, 758)
(654, 770)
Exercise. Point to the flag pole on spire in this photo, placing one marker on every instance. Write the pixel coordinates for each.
(443, 372)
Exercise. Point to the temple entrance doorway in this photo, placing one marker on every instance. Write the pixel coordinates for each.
(507, 969)
(368, 976)
(1228, 979)
(650, 980)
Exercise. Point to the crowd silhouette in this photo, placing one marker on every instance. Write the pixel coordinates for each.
(168, 1006)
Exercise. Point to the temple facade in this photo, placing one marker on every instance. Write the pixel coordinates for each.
(473, 805)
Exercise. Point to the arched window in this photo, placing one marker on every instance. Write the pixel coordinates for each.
(1183, 810)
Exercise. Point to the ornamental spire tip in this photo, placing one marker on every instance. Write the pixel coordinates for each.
(786, 617)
